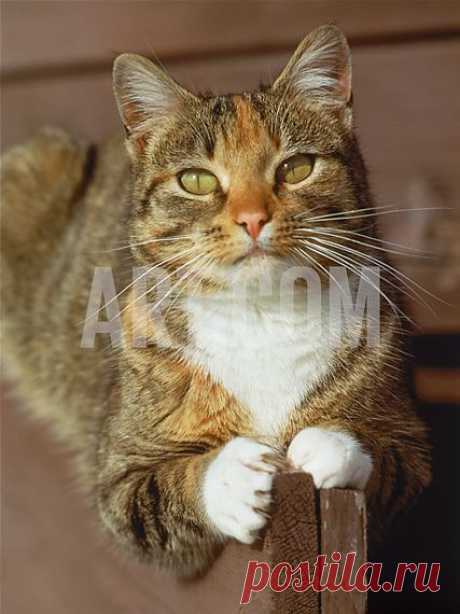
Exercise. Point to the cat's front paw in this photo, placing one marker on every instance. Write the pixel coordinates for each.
(333, 458)
(237, 488)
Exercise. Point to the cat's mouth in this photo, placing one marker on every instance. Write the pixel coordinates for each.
(257, 258)
(255, 252)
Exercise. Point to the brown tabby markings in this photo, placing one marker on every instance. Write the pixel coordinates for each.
(144, 421)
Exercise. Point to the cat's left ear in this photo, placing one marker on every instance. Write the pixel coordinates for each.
(320, 68)
(145, 95)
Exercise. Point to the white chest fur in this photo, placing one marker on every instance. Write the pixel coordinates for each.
(268, 356)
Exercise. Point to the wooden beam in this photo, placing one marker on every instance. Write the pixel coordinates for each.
(39, 35)
(437, 385)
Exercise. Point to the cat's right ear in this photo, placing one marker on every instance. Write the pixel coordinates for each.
(144, 95)
(320, 68)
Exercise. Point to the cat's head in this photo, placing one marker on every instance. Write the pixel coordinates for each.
(230, 183)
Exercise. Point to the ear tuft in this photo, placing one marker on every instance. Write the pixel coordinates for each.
(144, 93)
(320, 67)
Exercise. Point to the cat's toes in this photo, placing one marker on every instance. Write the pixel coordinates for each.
(237, 488)
(334, 459)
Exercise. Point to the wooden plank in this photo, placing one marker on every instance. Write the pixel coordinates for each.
(50, 538)
(343, 530)
(294, 538)
(40, 34)
(395, 90)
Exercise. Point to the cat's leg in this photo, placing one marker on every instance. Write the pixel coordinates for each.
(388, 458)
(178, 513)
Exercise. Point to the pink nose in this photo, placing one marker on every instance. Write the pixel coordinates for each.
(253, 222)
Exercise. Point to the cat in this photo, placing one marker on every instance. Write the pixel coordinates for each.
(178, 441)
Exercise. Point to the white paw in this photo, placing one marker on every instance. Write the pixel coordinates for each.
(237, 488)
(333, 458)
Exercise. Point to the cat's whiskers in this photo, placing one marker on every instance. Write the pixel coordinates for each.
(147, 242)
(406, 290)
(308, 232)
(132, 283)
(394, 271)
(362, 213)
(349, 264)
(352, 212)
(183, 278)
(317, 264)
(410, 292)
(343, 231)
(399, 275)
(162, 280)
(354, 266)
(197, 272)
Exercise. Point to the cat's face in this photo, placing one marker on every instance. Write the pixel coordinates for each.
(230, 184)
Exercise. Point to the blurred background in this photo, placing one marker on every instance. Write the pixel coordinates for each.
(56, 69)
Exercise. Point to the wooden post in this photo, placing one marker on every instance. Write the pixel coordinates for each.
(343, 530)
(292, 537)
(305, 523)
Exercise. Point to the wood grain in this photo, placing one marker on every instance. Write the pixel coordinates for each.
(41, 34)
(343, 530)
(294, 538)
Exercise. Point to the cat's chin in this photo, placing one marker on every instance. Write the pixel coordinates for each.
(254, 255)
(254, 266)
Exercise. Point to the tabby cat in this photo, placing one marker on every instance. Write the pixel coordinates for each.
(178, 439)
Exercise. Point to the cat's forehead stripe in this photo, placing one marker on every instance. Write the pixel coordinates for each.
(243, 144)
(248, 125)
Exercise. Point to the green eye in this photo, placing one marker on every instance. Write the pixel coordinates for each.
(198, 181)
(295, 169)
